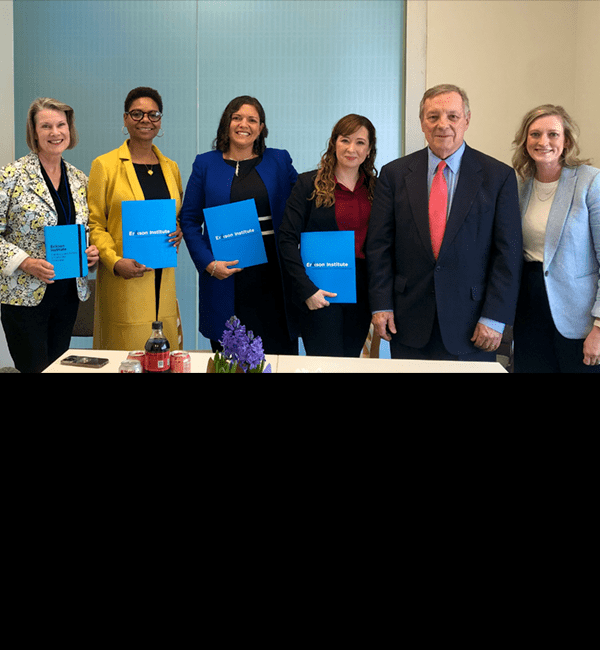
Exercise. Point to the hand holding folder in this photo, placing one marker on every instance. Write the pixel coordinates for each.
(146, 229)
(234, 233)
(319, 299)
(41, 269)
(329, 261)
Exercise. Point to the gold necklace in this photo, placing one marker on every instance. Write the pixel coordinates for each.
(543, 193)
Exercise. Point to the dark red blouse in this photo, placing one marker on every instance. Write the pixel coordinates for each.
(352, 211)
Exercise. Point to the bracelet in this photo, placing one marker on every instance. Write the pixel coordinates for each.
(214, 268)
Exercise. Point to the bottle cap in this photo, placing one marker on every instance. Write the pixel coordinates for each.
(157, 325)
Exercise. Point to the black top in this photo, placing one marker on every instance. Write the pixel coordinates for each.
(153, 186)
(63, 199)
(249, 185)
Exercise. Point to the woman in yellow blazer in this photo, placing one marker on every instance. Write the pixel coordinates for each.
(130, 296)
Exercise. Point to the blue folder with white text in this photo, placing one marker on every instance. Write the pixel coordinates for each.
(329, 261)
(65, 250)
(146, 229)
(234, 233)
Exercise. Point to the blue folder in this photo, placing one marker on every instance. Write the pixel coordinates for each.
(329, 261)
(65, 250)
(234, 233)
(146, 229)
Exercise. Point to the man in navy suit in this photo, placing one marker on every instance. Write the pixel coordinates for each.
(452, 304)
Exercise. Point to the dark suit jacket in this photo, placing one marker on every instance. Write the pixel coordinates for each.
(301, 215)
(478, 269)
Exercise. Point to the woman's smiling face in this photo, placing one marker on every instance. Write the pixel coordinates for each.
(245, 127)
(52, 132)
(352, 150)
(546, 140)
(143, 129)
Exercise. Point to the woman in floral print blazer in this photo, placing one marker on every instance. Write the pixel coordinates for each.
(38, 190)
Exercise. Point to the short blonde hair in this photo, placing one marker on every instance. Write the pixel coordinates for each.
(523, 163)
(46, 103)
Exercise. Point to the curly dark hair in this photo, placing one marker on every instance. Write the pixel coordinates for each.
(143, 91)
(324, 193)
(221, 142)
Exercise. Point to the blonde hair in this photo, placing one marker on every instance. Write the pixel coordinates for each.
(324, 193)
(46, 103)
(523, 163)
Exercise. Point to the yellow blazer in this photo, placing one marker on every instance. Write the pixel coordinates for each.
(125, 309)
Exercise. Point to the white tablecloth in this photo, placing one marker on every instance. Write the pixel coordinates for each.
(295, 364)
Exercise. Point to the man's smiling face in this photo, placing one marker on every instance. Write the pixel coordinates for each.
(444, 123)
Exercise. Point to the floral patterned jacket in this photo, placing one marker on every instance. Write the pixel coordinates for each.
(26, 206)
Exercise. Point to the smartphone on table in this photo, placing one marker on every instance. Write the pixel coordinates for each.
(83, 362)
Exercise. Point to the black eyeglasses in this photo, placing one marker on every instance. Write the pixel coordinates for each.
(136, 115)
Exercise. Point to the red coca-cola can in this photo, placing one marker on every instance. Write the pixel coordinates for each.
(181, 362)
(138, 355)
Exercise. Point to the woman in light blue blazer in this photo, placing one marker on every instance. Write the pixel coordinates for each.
(557, 325)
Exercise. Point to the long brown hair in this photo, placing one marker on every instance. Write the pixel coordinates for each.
(324, 193)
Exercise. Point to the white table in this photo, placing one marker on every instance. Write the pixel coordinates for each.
(295, 364)
(333, 364)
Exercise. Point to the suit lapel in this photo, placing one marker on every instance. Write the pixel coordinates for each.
(79, 197)
(33, 168)
(469, 182)
(525, 188)
(558, 212)
(416, 187)
(132, 178)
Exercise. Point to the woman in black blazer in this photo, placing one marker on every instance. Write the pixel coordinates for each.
(336, 196)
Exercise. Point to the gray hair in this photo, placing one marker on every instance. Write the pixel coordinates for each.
(441, 89)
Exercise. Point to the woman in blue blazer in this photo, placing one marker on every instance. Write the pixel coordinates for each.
(240, 167)
(557, 326)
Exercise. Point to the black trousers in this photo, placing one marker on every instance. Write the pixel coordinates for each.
(37, 336)
(259, 304)
(539, 346)
(435, 350)
(339, 330)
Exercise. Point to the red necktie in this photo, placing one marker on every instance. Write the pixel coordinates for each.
(438, 206)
